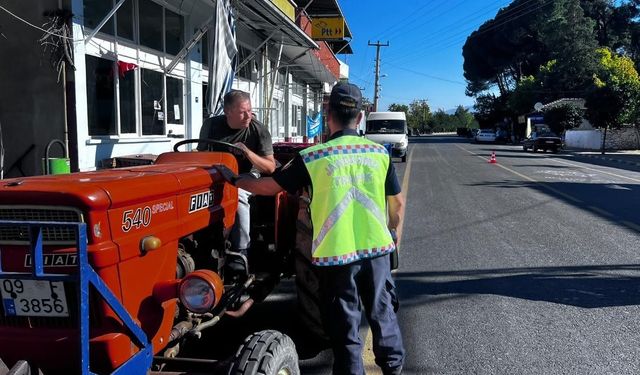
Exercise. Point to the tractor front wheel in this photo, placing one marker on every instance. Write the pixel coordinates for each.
(266, 353)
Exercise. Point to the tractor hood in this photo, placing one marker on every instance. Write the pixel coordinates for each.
(107, 189)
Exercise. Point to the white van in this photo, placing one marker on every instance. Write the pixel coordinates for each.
(389, 128)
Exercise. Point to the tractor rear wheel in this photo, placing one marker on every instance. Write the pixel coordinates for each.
(266, 353)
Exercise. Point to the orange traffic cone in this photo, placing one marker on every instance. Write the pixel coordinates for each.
(493, 158)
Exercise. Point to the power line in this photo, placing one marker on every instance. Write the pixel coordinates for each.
(468, 18)
(509, 14)
(430, 76)
(413, 17)
(441, 46)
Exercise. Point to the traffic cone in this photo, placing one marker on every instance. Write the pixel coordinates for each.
(493, 158)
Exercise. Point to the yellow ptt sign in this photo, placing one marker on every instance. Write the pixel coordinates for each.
(327, 28)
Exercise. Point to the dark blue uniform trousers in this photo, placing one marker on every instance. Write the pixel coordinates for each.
(343, 289)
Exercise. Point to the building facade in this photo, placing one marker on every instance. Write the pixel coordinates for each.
(135, 73)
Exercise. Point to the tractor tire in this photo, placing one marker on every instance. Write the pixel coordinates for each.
(266, 353)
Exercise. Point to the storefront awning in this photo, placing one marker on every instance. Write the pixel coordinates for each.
(304, 65)
(264, 18)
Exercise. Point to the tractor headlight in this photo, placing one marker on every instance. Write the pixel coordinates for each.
(200, 291)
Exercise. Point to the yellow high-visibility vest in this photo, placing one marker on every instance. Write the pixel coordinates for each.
(348, 205)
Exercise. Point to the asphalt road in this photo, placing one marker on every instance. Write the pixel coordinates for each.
(526, 266)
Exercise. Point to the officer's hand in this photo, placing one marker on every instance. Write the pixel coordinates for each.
(394, 236)
(226, 173)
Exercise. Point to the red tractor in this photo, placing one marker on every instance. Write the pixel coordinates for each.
(112, 270)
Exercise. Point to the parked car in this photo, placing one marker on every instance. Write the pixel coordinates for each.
(542, 141)
(486, 135)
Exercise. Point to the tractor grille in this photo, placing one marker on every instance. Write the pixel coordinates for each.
(19, 235)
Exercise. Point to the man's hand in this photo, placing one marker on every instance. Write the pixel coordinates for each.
(227, 174)
(242, 147)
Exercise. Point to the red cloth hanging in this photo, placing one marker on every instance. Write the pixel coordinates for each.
(124, 67)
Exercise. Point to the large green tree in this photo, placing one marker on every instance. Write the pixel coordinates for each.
(570, 38)
(614, 98)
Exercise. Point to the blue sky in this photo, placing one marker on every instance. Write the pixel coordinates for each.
(424, 57)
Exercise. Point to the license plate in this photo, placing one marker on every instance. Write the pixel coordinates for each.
(549, 142)
(33, 298)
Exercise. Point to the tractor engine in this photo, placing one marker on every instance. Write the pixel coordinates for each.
(155, 234)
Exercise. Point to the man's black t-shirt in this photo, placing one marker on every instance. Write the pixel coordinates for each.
(256, 137)
(295, 175)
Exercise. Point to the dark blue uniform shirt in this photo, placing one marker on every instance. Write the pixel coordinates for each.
(294, 175)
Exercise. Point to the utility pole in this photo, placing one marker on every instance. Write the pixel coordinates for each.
(377, 84)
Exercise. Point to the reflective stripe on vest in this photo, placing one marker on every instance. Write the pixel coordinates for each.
(348, 205)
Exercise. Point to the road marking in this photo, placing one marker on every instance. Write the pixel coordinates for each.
(600, 211)
(596, 170)
(368, 357)
(542, 184)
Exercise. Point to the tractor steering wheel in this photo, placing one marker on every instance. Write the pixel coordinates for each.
(214, 146)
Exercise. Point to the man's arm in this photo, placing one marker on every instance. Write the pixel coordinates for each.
(259, 186)
(395, 204)
(264, 164)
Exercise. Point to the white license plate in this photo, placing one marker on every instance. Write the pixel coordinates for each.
(33, 298)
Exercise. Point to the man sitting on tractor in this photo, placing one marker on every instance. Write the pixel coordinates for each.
(239, 127)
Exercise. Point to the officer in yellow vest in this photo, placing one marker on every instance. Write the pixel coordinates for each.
(356, 206)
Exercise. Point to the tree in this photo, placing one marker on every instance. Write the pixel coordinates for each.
(614, 98)
(463, 118)
(527, 93)
(506, 48)
(419, 114)
(570, 39)
(399, 108)
(442, 122)
(563, 117)
(490, 110)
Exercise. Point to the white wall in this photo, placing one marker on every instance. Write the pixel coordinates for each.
(617, 139)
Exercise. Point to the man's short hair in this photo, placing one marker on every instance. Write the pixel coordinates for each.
(235, 96)
(345, 103)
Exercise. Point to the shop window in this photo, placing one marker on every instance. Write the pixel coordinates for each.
(100, 96)
(124, 17)
(175, 112)
(150, 24)
(245, 71)
(174, 32)
(205, 92)
(204, 43)
(127, 88)
(152, 102)
(296, 113)
(94, 13)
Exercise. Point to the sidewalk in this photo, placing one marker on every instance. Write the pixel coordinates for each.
(628, 157)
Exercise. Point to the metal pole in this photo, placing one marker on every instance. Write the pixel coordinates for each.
(376, 88)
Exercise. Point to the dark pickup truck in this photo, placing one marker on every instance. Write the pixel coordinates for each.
(542, 141)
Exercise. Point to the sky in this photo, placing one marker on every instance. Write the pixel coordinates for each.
(424, 56)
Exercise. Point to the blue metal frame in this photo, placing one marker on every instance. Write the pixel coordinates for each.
(140, 362)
